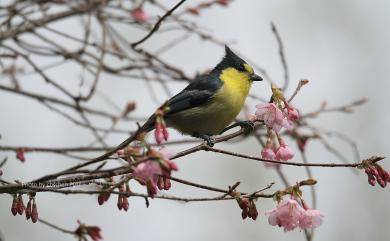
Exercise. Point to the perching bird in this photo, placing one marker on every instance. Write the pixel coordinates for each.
(212, 101)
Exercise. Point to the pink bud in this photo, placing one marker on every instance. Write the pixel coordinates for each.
(139, 15)
(103, 197)
(20, 205)
(151, 188)
(158, 133)
(243, 202)
(194, 11)
(20, 155)
(160, 183)
(253, 212)
(268, 152)
(244, 213)
(119, 203)
(165, 132)
(383, 174)
(28, 210)
(167, 183)
(371, 180)
(172, 166)
(14, 206)
(223, 2)
(381, 182)
(34, 213)
(125, 204)
(292, 114)
(94, 232)
(284, 152)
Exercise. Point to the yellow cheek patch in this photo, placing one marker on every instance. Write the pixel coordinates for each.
(248, 68)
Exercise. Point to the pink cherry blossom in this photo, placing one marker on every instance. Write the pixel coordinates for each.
(148, 170)
(287, 214)
(284, 152)
(292, 113)
(164, 153)
(311, 219)
(139, 15)
(269, 153)
(155, 172)
(272, 116)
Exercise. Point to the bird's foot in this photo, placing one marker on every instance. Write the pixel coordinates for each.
(207, 138)
(247, 125)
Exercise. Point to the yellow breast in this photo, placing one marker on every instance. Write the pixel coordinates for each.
(235, 88)
(213, 117)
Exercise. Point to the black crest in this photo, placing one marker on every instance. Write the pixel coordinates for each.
(230, 60)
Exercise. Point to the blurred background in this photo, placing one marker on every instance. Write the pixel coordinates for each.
(342, 47)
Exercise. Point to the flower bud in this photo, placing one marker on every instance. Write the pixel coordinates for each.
(151, 188)
(20, 155)
(14, 206)
(20, 205)
(193, 11)
(119, 203)
(34, 213)
(125, 203)
(28, 210)
(103, 197)
(139, 15)
(244, 213)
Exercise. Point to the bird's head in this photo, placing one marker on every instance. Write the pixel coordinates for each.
(236, 66)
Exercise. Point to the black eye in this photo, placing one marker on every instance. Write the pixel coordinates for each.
(241, 68)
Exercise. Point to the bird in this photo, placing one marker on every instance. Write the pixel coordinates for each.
(211, 102)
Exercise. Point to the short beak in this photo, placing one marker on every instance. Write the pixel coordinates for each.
(255, 77)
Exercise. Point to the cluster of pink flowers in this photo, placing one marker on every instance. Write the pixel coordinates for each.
(271, 152)
(274, 118)
(139, 15)
(18, 207)
(377, 174)
(94, 232)
(155, 173)
(248, 208)
(289, 214)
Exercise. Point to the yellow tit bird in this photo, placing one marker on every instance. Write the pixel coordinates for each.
(212, 101)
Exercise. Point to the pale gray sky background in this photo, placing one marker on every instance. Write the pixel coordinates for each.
(342, 47)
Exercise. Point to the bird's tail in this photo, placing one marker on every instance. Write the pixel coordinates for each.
(149, 127)
(149, 124)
